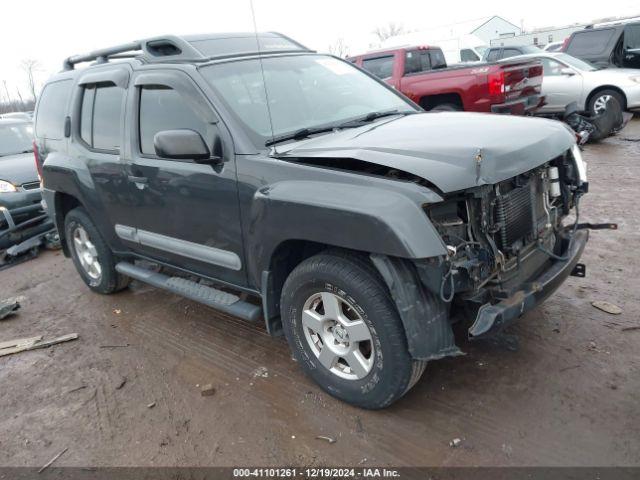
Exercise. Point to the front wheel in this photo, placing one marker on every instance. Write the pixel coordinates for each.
(91, 255)
(345, 331)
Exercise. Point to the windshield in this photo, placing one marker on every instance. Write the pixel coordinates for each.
(480, 50)
(16, 138)
(304, 91)
(575, 62)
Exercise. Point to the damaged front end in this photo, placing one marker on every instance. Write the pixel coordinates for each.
(508, 245)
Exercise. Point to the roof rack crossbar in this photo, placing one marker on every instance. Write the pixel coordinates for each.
(101, 55)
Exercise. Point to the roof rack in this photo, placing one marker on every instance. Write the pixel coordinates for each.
(175, 49)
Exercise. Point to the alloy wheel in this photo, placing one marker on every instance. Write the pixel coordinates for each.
(87, 253)
(338, 336)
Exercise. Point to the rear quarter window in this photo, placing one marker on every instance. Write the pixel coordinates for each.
(52, 110)
(592, 42)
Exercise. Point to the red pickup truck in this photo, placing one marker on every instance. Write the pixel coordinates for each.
(421, 73)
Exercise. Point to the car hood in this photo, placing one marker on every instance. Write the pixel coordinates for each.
(451, 150)
(18, 169)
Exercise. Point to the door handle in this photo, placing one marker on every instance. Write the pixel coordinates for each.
(135, 179)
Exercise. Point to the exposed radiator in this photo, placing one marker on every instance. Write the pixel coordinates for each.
(514, 215)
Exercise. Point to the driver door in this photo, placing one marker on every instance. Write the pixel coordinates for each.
(187, 211)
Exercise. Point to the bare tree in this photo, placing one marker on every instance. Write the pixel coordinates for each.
(390, 30)
(339, 48)
(31, 66)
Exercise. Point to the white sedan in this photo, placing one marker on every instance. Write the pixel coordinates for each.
(568, 79)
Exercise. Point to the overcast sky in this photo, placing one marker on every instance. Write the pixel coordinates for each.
(50, 30)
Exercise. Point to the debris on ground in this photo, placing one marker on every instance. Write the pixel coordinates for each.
(32, 343)
(571, 367)
(122, 383)
(628, 329)
(151, 405)
(261, 372)
(117, 311)
(81, 387)
(114, 346)
(455, 443)
(52, 460)
(327, 439)
(207, 390)
(607, 307)
(8, 307)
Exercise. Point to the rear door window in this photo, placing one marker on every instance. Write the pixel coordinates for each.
(52, 110)
(493, 55)
(416, 61)
(101, 116)
(381, 67)
(437, 59)
(161, 108)
(632, 37)
(468, 55)
(590, 42)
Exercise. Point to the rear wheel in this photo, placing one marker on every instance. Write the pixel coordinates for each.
(446, 107)
(91, 255)
(345, 331)
(598, 102)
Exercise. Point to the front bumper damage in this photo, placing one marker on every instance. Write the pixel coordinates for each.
(492, 318)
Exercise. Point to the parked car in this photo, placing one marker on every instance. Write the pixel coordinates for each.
(493, 54)
(553, 47)
(339, 211)
(607, 46)
(568, 79)
(19, 183)
(422, 74)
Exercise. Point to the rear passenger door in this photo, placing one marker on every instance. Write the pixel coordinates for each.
(97, 120)
(187, 213)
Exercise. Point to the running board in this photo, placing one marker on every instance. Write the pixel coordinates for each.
(223, 301)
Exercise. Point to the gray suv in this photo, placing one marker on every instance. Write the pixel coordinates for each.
(312, 197)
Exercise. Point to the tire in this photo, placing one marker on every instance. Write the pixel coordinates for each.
(597, 98)
(104, 278)
(446, 107)
(384, 371)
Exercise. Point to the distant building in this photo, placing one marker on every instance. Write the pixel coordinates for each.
(539, 37)
(486, 29)
(494, 28)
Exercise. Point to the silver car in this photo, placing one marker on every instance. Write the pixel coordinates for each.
(568, 79)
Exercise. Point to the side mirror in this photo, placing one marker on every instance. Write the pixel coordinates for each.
(183, 145)
(567, 71)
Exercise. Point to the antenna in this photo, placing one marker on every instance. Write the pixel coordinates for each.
(264, 82)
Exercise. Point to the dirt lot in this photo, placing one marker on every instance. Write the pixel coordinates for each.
(568, 396)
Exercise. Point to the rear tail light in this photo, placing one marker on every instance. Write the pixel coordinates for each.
(563, 48)
(36, 157)
(496, 83)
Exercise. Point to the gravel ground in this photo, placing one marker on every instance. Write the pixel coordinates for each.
(568, 396)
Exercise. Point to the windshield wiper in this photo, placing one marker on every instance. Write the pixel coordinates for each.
(370, 117)
(306, 132)
(299, 134)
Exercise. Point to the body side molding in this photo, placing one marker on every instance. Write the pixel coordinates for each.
(196, 251)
